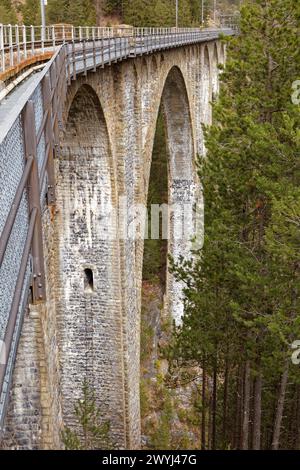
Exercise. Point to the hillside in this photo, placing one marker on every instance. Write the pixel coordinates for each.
(110, 12)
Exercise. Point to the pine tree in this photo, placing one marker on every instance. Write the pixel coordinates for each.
(92, 433)
(142, 13)
(242, 292)
(31, 12)
(76, 12)
(7, 13)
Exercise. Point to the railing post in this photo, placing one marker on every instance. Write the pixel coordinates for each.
(2, 48)
(80, 33)
(49, 138)
(63, 88)
(134, 41)
(53, 37)
(67, 46)
(94, 55)
(43, 34)
(102, 51)
(54, 76)
(147, 42)
(84, 56)
(115, 48)
(32, 39)
(11, 50)
(109, 46)
(24, 41)
(17, 42)
(38, 275)
(73, 61)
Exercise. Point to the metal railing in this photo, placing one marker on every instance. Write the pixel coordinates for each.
(53, 87)
(18, 43)
(88, 55)
(229, 21)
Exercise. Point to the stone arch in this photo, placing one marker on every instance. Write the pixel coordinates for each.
(176, 110)
(90, 320)
(174, 101)
(161, 83)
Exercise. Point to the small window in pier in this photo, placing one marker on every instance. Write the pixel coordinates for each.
(88, 280)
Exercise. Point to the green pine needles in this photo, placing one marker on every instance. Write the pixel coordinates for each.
(92, 432)
(242, 290)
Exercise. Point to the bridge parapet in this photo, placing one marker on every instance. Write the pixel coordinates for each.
(18, 43)
(26, 182)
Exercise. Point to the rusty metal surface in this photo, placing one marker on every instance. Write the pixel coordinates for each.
(14, 70)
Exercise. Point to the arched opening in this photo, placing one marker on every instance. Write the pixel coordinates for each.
(154, 276)
(173, 167)
(171, 173)
(89, 325)
(170, 179)
(181, 179)
(155, 246)
(88, 280)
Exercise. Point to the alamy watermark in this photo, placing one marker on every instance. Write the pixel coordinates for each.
(3, 357)
(182, 221)
(296, 92)
(296, 354)
(295, 97)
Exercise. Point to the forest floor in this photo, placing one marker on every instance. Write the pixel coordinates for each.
(170, 419)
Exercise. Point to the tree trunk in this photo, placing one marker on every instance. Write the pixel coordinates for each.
(214, 409)
(210, 423)
(203, 417)
(297, 443)
(225, 399)
(256, 439)
(246, 407)
(280, 406)
(238, 415)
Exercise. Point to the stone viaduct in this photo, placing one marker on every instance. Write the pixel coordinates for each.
(86, 324)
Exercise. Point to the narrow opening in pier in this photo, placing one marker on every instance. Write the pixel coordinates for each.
(88, 280)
